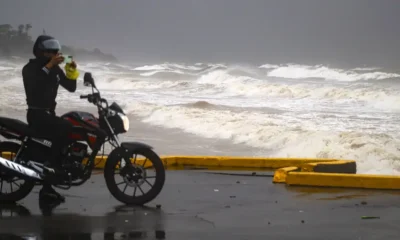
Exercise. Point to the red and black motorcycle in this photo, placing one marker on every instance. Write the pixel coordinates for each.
(23, 161)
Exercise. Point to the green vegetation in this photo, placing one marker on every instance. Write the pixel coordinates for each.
(18, 42)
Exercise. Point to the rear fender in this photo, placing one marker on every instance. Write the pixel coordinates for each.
(9, 134)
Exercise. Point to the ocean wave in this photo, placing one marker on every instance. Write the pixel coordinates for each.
(366, 69)
(166, 66)
(2, 68)
(202, 104)
(227, 82)
(297, 71)
(284, 135)
(223, 84)
(248, 86)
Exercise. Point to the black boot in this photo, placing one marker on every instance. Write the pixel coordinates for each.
(47, 193)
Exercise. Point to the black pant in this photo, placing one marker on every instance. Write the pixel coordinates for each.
(53, 128)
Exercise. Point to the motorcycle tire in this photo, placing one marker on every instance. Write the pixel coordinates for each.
(109, 173)
(24, 188)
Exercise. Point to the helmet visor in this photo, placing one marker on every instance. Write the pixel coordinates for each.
(51, 44)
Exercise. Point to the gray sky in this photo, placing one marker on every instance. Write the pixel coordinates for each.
(338, 32)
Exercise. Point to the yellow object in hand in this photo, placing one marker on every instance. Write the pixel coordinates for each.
(71, 72)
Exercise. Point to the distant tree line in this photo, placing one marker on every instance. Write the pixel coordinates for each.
(18, 42)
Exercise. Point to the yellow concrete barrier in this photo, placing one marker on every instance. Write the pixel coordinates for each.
(6, 155)
(280, 175)
(223, 162)
(100, 162)
(343, 180)
(336, 166)
(242, 162)
(226, 162)
(339, 166)
(215, 162)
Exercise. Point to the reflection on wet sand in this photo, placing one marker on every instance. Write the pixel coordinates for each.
(61, 226)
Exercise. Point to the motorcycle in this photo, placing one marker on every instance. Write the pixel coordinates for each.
(77, 163)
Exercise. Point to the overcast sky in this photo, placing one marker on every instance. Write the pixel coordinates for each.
(353, 32)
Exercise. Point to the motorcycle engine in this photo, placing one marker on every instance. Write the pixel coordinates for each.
(73, 163)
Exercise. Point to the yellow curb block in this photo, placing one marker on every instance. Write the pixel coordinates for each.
(226, 162)
(100, 162)
(237, 163)
(343, 180)
(339, 166)
(242, 162)
(280, 175)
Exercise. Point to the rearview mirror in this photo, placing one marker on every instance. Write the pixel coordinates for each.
(88, 80)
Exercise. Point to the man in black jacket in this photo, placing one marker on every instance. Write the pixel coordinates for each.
(42, 77)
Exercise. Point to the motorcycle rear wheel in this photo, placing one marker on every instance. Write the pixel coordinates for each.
(5, 174)
(112, 163)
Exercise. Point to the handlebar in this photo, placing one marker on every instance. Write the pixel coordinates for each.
(95, 99)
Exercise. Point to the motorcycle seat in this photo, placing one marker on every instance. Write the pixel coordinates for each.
(20, 127)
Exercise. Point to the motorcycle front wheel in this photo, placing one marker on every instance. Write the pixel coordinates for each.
(128, 182)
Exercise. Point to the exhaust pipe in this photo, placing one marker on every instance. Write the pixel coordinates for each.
(19, 168)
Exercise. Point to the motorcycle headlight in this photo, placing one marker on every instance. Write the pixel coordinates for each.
(125, 121)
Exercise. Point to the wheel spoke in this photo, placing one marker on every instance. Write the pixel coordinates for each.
(126, 185)
(140, 189)
(120, 183)
(144, 163)
(16, 184)
(151, 177)
(134, 191)
(148, 183)
(11, 187)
